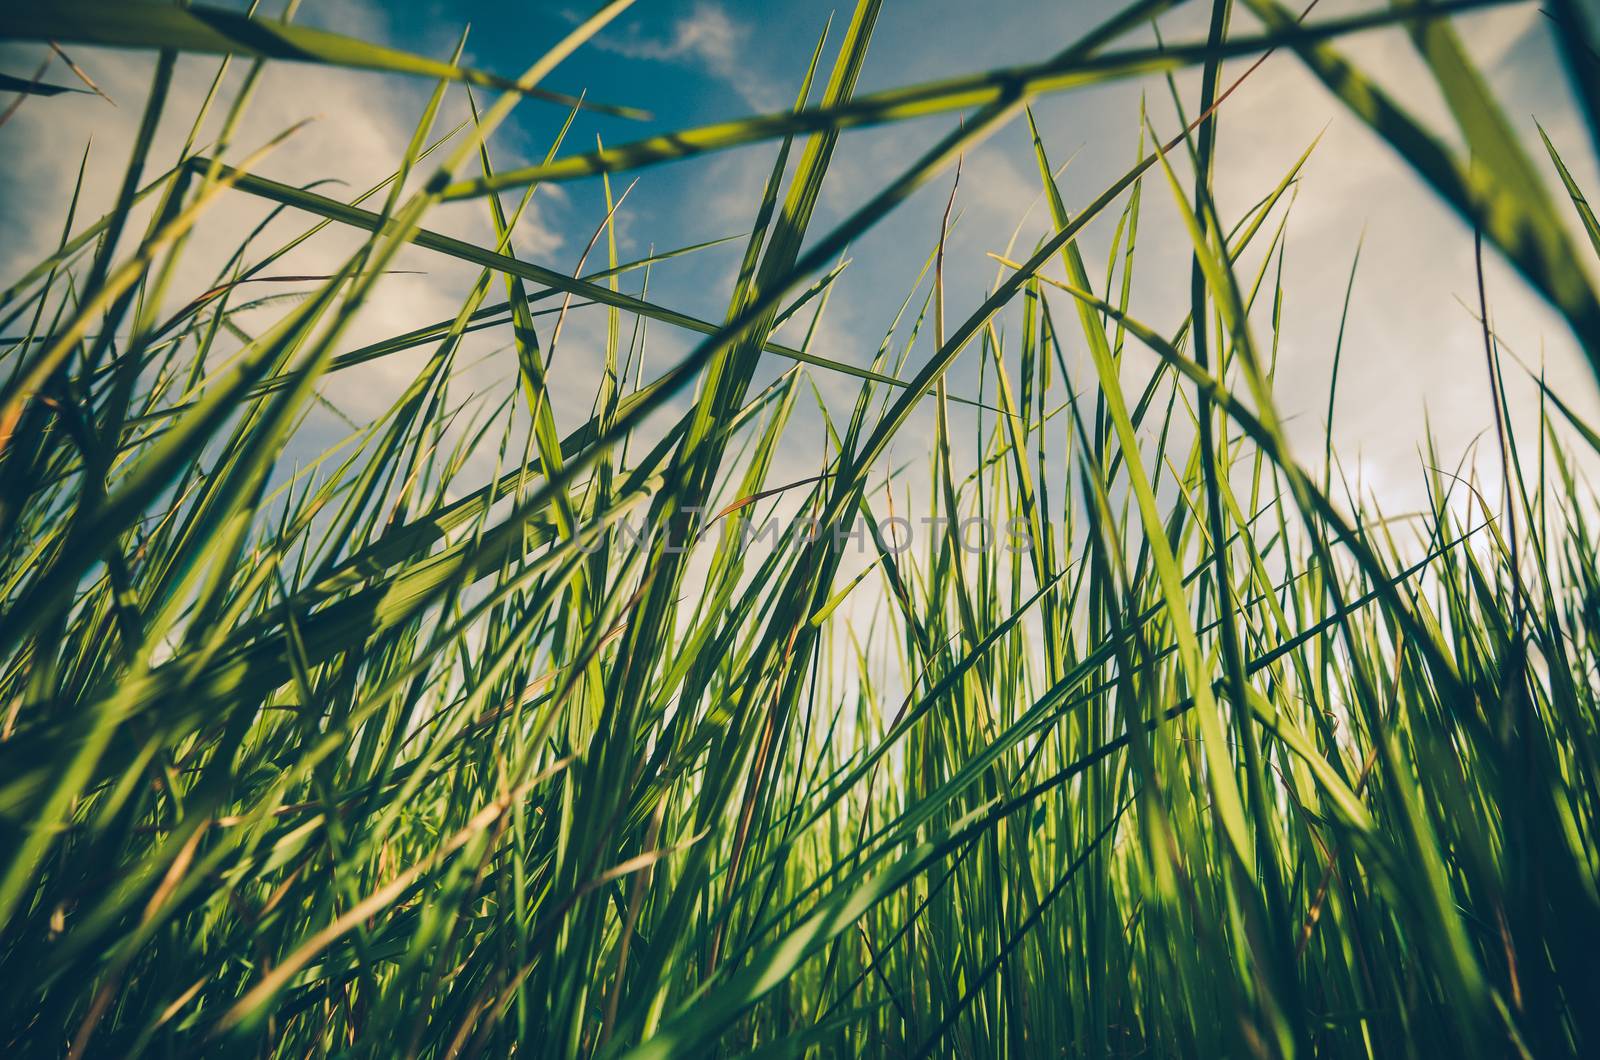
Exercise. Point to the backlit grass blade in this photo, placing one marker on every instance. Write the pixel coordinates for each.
(1064, 73)
(198, 28)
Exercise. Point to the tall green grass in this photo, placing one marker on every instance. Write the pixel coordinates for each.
(365, 755)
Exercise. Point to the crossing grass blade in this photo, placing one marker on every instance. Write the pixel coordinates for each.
(202, 29)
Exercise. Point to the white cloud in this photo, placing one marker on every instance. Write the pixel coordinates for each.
(362, 124)
(1413, 359)
(708, 39)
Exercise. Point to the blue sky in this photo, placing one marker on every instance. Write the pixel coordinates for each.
(1412, 349)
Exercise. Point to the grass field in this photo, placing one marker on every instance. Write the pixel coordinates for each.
(355, 751)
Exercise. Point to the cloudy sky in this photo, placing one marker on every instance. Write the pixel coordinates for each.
(1413, 354)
